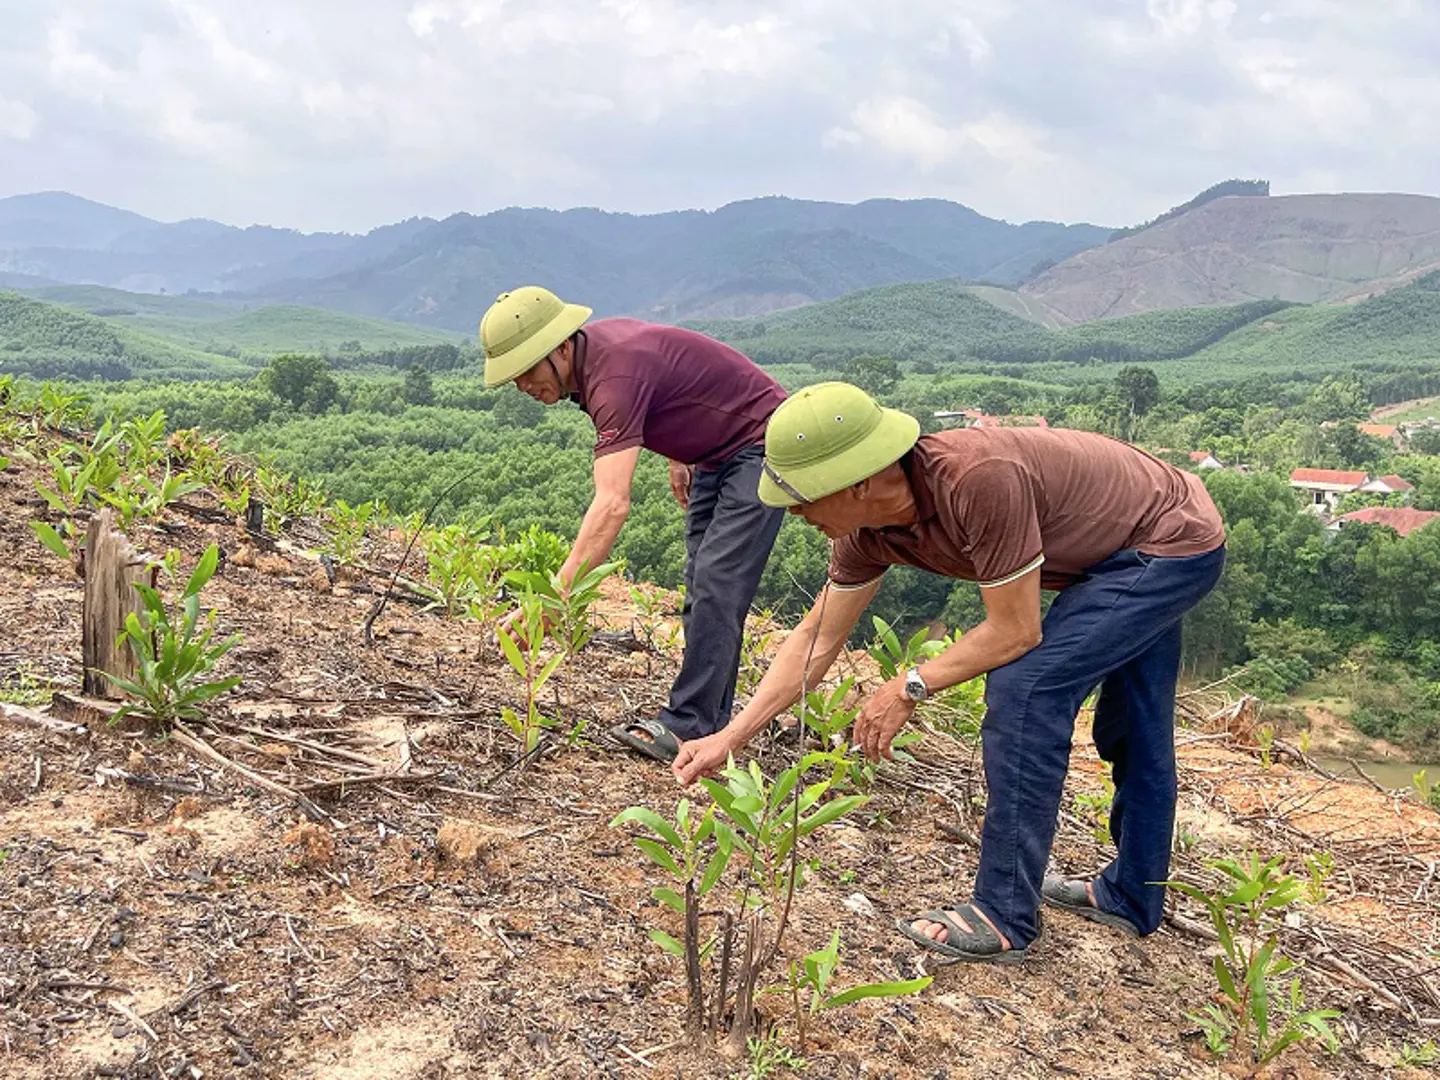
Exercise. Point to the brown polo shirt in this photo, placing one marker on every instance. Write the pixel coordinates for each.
(676, 392)
(994, 503)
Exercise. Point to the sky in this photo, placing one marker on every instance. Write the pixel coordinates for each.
(347, 114)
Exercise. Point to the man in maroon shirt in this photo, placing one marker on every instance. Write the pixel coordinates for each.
(688, 398)
(1130, 542)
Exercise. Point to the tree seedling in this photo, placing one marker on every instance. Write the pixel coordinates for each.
(1256, 1010)
(811, 978)
(174, 654)
(525, 657)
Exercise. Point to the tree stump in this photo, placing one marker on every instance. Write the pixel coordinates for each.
(112, 567)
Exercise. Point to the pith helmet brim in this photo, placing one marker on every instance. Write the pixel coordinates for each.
(515, 362)
(891, 440)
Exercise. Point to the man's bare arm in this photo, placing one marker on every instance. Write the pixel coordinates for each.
(834, 615)
(1010, 630)
(607, 513)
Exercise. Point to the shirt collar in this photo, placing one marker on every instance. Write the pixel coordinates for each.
(577, 367)
(916, 474)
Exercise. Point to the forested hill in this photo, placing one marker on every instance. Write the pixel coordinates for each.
(746, 257)
(88, 332)
(939, 326)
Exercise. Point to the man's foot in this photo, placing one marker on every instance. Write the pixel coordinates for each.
(1079, 897)
(962, 933)
(938, 931)
(649, 738)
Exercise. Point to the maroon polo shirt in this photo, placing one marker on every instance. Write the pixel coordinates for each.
(681, 394)
(995, 503)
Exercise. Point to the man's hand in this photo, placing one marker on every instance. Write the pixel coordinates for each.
(701, 757)
(888, 710)
(680, 475)
(513, 625)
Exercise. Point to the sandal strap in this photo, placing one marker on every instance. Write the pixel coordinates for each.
(979, 933)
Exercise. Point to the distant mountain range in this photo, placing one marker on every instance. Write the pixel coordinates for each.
(745, 258)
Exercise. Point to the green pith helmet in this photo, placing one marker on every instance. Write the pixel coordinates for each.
(522, 328)
(825, 438)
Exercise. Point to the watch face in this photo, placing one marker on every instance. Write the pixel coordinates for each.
(915, 687)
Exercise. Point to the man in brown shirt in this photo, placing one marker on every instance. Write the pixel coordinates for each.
(1131, 543)
(693, 400)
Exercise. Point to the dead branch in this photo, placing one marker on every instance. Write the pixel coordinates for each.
(185, 737)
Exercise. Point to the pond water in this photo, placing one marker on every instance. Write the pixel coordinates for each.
(1389, 774)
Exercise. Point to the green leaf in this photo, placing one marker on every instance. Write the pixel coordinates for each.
(512, 653)
(1223, 977)
(1246, 893)
(214, 689)
(835, 808)
(783, 786)
(652, 821)
(714, 868)
(204, 570)
(659, 855)
(546, 671)
(874, 990)
(668, 943)
(669, 897)
(50, 538)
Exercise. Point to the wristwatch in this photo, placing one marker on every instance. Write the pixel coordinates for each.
(915, 688)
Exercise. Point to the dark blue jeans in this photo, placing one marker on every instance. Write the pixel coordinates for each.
(1118, 629)
(728, 536)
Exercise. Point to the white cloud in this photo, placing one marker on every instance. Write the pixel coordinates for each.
(346, 113)
(1179, 18)
(908, 128)
(17, 120)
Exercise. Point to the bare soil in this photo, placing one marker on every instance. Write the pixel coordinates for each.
(476, 916)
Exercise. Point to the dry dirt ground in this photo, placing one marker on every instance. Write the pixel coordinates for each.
(486, 921)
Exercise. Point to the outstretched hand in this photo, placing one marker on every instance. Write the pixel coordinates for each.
(888, 710)
(701, 757)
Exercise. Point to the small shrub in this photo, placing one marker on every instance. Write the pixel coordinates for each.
(1256, 1010)
(1096, 806)
(525, 657)
(567, 610)
(175, 656)
(810, 978)
(895, 656)
(346, 529)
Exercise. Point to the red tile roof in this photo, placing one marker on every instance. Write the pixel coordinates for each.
(1380, 431)
(1011, 421)
(1397, 483)
(1328, 476)
(1403, 519)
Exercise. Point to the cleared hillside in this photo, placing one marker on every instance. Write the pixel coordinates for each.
(1298, 248)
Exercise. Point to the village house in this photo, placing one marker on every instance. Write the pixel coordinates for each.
(1403, 519)
(1328, 486)
(1390, 432)
(978, 418)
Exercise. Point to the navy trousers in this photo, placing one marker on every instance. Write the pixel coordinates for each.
(728, 536)
(1118, 629)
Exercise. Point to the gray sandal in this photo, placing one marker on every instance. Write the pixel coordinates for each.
(978, 945)
(1071, 895)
